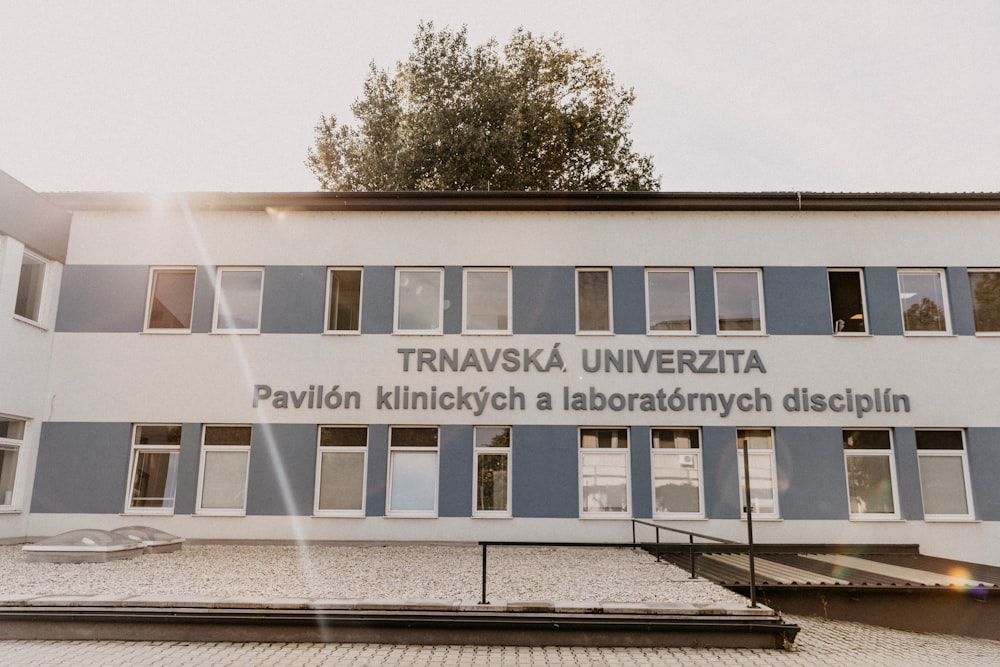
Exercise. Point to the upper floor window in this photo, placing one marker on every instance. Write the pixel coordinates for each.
(847, 301)
(669, 301)
(738, 303)
(487, 301)
(340, 484)
(492, 447)
(944, 475)
(11, 437)
(985, 285)
(344, 298)
(871, 477)
(603, 471)
(29, 287)
(171, 297)
(593, 300)
(153, 473)
(763, 482)
(238, 299)
(677, 486)
(419, 300)
(923, 301)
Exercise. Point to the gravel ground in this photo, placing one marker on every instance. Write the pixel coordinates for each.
(375, 571)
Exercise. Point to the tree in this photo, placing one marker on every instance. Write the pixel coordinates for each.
(541, 116)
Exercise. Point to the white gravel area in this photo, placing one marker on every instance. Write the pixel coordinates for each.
(371, 571)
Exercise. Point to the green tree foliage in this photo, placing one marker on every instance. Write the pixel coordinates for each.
(535, 116)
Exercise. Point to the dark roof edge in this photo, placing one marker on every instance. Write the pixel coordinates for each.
(529, 201)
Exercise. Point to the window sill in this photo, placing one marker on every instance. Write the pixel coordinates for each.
(672, 334)
(337, 515)
(9, 510)
(737, 334)
(215, 515)
(678, 517)
(167, 332)
(240, 332)
(951, 519)
(332, 332)
(607, 515)
(928, 334)
(31, 323)
(410, 516)
(492, 516)
(147, 513)
(852, 334)
(862, 518)
(487, 333)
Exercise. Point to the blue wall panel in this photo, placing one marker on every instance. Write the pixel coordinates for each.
(102, 298)
(282, 470)
(455, 481)
(797, 300)
(640, 455)
(188, 464)
(960, 301)
(204, 299)
(452, 323)
(544, 472)
(82, 468)
(907, 473)
(544, 299)
(629, 299)
(294, 299)
(377, 294)
(812, 480)
(704, 300)
(378, 462)
(722, 490)
(983, 445)
(882, 296)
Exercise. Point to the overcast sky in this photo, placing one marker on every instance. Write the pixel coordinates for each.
(864, 95)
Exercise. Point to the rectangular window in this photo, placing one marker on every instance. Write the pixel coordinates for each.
(487, 301)
(29, 287)
(171, 297)
(603, 471)
(985, 285)
(677, 491)
(225, 458)
(344, 297)
(847, 301)
(492, 446)
(923, 301)
(413, 471)
(763, 486)
(340, 483)
(944, 476)
(419, 300)
(669, 301)
(11, 438)
(237, 300)
(153, 481)
(738, 302)
(593, 300)
(871, 477)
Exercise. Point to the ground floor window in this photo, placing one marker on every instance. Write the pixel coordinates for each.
(11, 437)
(492, 446)
(340, 483)
(871, 478)
(153, 473)
(603, 471)
(944, 475)
(676, 473)
(763, 486)
(413, 471)
(225, 458)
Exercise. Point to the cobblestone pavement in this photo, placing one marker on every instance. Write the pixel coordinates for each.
(819, 643)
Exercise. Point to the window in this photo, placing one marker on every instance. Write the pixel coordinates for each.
(944, 478)
(487, 301)
(171, 296)
(237, 300)
(29, 288)
(738, 302)
(593, 300)
(847, 301)
(11, 437)
(763, 495)
(153, 480)
(413, 471)
(871, 478)
(225, 457)
(344, 311)
(603, 471)
(985, 287)
(676, 473)
(923, 301)
(340, 485)
(492, 445)
(419, 300)
(669, 301)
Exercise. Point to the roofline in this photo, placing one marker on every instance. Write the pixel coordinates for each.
(528, 201)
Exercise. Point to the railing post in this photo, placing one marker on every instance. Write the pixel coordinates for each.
(691, 555)
(633, 531)
(749, 510)
(657, 544)
(483, 599)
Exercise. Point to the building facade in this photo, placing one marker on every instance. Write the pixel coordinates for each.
(458, 367)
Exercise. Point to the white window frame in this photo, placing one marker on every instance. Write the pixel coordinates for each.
(615, 452)
(395, 450)
(693, 330)
(947, 453)
(466, 329)
(15, 445)
(758, 453)
(611, 305)
(942, 284)
(153, 272)
(218, 299)
(987, 334)
(327, 328)
(485, 450)
(321, 450)
(206, 449)
(695, 457)
(762, 330)
(40, 289)
(141, 448)
(864, 302)
(889, 454)
(430, 331)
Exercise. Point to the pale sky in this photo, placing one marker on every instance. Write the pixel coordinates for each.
(740, 95)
